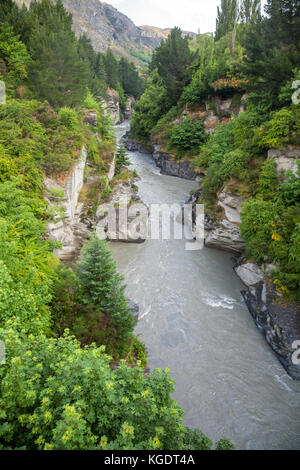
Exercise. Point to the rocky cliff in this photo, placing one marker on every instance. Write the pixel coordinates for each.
(62, 195)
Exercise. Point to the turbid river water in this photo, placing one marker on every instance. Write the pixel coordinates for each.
(193, 321)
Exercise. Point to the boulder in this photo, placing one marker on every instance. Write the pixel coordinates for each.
(250, 274)
(90, 117)
(231, 204)
(226, 236)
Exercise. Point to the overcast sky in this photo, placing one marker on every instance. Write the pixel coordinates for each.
(188, 14)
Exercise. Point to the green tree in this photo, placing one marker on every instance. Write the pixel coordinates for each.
(273, 51)
(227, 16)
(14, 53)
(173, 59)
(122, 160)
(112, 69)
(58, 75)
(102, 287)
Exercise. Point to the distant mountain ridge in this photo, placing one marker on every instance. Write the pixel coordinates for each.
(107, 27)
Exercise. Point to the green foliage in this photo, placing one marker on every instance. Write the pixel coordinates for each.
(90, 102)
(69, 118)
(34, 137)
(227, 16)
(259, 220)
(273, 53)
(283, 128)
(189, 135)
(57, 74)
(150, 108)
(290, 189)
(57, 395)
(14, 53)
(26, 262)
(268, 181)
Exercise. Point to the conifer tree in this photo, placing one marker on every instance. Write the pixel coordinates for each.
(112, 69)
(173, 60)
(102, 287)
(58, 75)
(122, 159)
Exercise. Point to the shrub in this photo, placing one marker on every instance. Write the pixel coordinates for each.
(290, 189)
(57, 395)
(268, 181)
(69, 118)
(258, 226)
(189, 135)
(283, 128)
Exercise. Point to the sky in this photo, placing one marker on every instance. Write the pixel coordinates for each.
(188, 14)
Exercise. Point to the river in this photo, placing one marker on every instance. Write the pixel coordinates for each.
(193, 321)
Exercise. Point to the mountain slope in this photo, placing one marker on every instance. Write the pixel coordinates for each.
(107, 27)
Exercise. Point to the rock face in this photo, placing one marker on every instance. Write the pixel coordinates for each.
(112, 105)
(90, 118)
(217, 111)
(285, 159)
(154, 33)
(170, 166)
(279, 322)
(231, 204)
(66, 226)
(226, 236)
(128, 113)
(250, 274)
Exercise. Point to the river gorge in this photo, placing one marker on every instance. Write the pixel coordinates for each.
(193, 320)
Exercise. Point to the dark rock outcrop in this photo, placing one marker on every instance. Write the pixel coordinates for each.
(135, 146)
(280, 323)
(172, 167)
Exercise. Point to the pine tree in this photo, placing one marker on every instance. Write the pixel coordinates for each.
(58, 75)
(112, 69)
(122, 159)
(102, 287)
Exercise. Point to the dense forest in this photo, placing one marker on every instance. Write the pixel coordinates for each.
(253, 59)
(63, 327)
